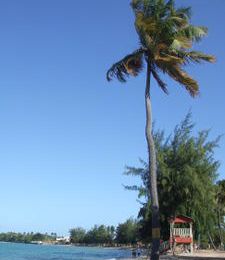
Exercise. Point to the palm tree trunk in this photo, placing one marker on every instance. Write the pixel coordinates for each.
(152, 170)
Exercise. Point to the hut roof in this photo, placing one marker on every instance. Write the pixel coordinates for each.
(181, 219)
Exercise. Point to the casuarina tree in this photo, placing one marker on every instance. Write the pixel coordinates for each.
(166, 37)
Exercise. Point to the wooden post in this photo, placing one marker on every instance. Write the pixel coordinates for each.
(191, 235)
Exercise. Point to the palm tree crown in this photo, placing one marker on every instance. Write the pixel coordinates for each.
(166, 38)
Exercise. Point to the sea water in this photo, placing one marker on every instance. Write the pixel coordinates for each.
(12, 251)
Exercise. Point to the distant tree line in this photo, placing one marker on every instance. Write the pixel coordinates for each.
(27, 237)
(124, 233)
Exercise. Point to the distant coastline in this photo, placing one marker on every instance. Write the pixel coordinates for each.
(53, 239)
(48, 243)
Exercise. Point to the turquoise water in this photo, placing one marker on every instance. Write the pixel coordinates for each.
(11, 251)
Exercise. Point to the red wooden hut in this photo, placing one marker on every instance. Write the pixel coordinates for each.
(181, 232)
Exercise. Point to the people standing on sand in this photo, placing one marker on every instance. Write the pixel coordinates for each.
(138, 252)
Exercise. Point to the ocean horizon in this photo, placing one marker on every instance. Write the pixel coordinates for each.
(17, 251)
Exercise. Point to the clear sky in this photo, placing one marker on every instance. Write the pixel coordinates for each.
(65, 133)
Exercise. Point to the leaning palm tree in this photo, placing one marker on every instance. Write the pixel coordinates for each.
(166, 38)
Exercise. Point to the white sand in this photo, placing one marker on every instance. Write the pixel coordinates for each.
(198, 255)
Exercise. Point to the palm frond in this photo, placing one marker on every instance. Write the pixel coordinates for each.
(145, 27)
(187, 57)
(160, 82)
(185, 80)
(178, 21)
(181, 42)
(168, 56)
(131, 64)
(198, 57)
(193, 33)
(179, 75)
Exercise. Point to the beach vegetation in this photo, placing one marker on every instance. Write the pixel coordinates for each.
(187, 176)
(127, 232)
(97, 235)
(77, 235)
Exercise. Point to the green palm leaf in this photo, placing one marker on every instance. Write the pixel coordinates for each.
(193, 33)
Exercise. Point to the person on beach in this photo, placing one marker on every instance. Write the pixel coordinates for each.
(138, 251)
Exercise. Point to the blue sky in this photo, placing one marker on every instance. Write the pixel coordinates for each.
(66, 134)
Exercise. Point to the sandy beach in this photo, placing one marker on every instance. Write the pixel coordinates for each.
(201, 254)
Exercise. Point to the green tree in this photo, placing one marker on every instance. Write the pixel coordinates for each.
(166, 37)
(99, 235)
(111, 232)
(220, 209)
(38, 237)
(126, 233)
(77, 235)
(186, 175)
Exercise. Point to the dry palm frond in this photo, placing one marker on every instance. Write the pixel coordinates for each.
(131, 64)
(179, 75)
(160, 82)
(198, 57)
